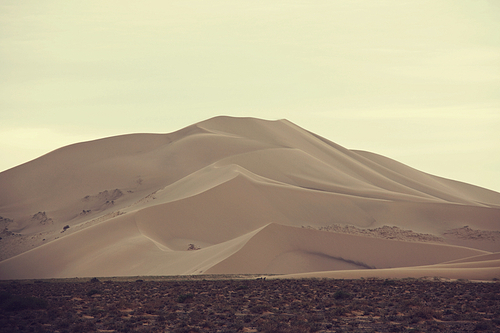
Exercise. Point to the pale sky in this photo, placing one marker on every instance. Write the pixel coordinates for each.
(417, 81)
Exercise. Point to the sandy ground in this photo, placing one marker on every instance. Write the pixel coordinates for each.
(237, 196)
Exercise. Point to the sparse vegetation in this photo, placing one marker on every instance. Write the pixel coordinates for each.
(196, 305)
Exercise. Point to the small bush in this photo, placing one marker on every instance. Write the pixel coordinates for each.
(93, 292)
(259, 308)
(171, 316)
(341, 294)
(9, 302)
(424, 313)
(339, 312)
(242, 287)
(184, 298)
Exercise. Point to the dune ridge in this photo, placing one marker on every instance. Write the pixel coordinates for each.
(237, 195)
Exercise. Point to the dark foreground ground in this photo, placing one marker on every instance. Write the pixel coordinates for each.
(249, 305)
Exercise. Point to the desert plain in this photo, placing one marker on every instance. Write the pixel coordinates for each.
(222, 303)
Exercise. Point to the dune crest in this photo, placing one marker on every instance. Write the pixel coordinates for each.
(238, 195)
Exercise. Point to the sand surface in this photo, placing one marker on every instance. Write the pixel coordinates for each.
(240, 196)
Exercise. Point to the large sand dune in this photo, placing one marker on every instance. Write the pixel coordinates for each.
(239, 195)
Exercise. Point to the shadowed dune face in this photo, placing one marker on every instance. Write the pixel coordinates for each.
(235, 195)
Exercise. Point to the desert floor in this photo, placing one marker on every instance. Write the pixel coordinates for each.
(249, 304)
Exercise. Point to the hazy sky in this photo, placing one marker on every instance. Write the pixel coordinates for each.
(417, 81)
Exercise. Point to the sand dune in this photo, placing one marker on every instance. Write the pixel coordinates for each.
(277, 249)
(237, 195)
